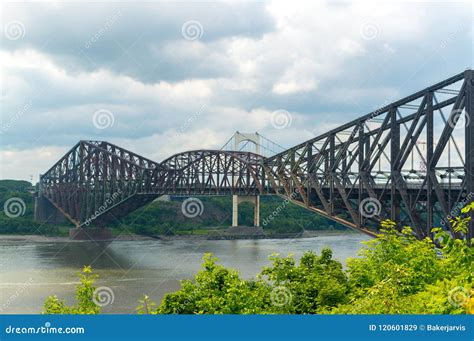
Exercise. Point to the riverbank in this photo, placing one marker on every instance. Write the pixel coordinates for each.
(221, 235)
(162, 218)
(48, 239)
(226, 235)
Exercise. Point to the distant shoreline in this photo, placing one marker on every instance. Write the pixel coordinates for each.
(221, 236)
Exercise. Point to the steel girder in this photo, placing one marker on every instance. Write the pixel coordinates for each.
(214, 172)
(94, 178)
(97, 182)
(368, 160)
(371, 160)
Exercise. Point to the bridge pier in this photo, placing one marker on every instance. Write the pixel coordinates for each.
(45, 212)
(236, 200)
(90, 233)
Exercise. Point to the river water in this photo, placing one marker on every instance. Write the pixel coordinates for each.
(31, 271)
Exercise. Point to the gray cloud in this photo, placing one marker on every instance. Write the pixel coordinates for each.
(313, 59)
(134, 39)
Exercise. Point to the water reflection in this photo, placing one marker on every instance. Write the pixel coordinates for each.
(77, 254)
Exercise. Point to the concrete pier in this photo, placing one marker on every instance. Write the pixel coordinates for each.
(46, 212)
(236, 200)
(90, 233)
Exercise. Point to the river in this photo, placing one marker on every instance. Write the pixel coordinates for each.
(32, 270)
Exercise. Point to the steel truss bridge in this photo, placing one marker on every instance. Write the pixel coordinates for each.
(411, 161)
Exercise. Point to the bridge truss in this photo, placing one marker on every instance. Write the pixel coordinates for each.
(411, 161)
(97, 182)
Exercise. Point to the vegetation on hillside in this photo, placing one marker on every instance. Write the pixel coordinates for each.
(16, 217)
(395, 274)
(166, 217)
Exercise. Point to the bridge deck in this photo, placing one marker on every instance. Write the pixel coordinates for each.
(412, 160)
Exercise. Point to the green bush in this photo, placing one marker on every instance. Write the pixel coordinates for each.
(85, 297)
(395, 273)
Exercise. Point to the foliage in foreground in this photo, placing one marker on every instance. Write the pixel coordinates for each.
(85, 300)
(395, 274)
(286, 287)
(398, 274)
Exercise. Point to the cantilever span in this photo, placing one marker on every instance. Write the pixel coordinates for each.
(97, 182)
(411, 161)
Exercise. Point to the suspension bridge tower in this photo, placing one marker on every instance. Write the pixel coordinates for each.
(258, 144)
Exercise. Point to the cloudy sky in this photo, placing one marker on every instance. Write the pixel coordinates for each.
(163, 77)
